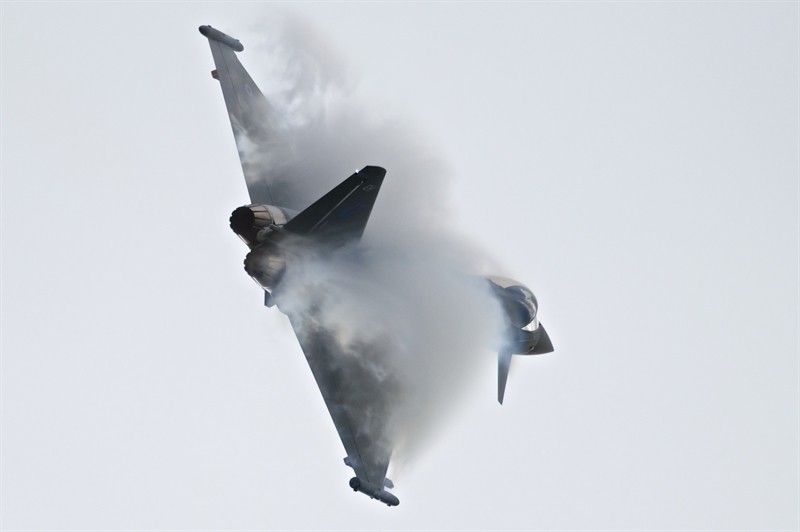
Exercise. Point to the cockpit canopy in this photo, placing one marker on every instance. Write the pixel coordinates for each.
(518, 301)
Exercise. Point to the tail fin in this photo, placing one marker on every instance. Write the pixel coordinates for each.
(342, 214)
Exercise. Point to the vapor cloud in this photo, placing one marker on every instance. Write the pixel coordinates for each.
(406, 308)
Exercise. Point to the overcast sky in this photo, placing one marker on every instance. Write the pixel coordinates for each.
(636, 164)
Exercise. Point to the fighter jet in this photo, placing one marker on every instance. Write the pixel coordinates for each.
(280, 231)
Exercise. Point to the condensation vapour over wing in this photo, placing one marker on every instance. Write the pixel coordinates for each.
(410, 314)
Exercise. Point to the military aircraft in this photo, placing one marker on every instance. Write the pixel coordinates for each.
(279, 231)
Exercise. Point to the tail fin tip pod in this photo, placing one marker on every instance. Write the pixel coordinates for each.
(252, 121)
(216, 35)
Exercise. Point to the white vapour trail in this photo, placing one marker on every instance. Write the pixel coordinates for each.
(409, 314)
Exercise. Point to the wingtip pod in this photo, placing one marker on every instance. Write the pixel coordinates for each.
(374, 493)
(216, 35)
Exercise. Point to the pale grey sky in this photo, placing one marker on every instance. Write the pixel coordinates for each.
(636, 164)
